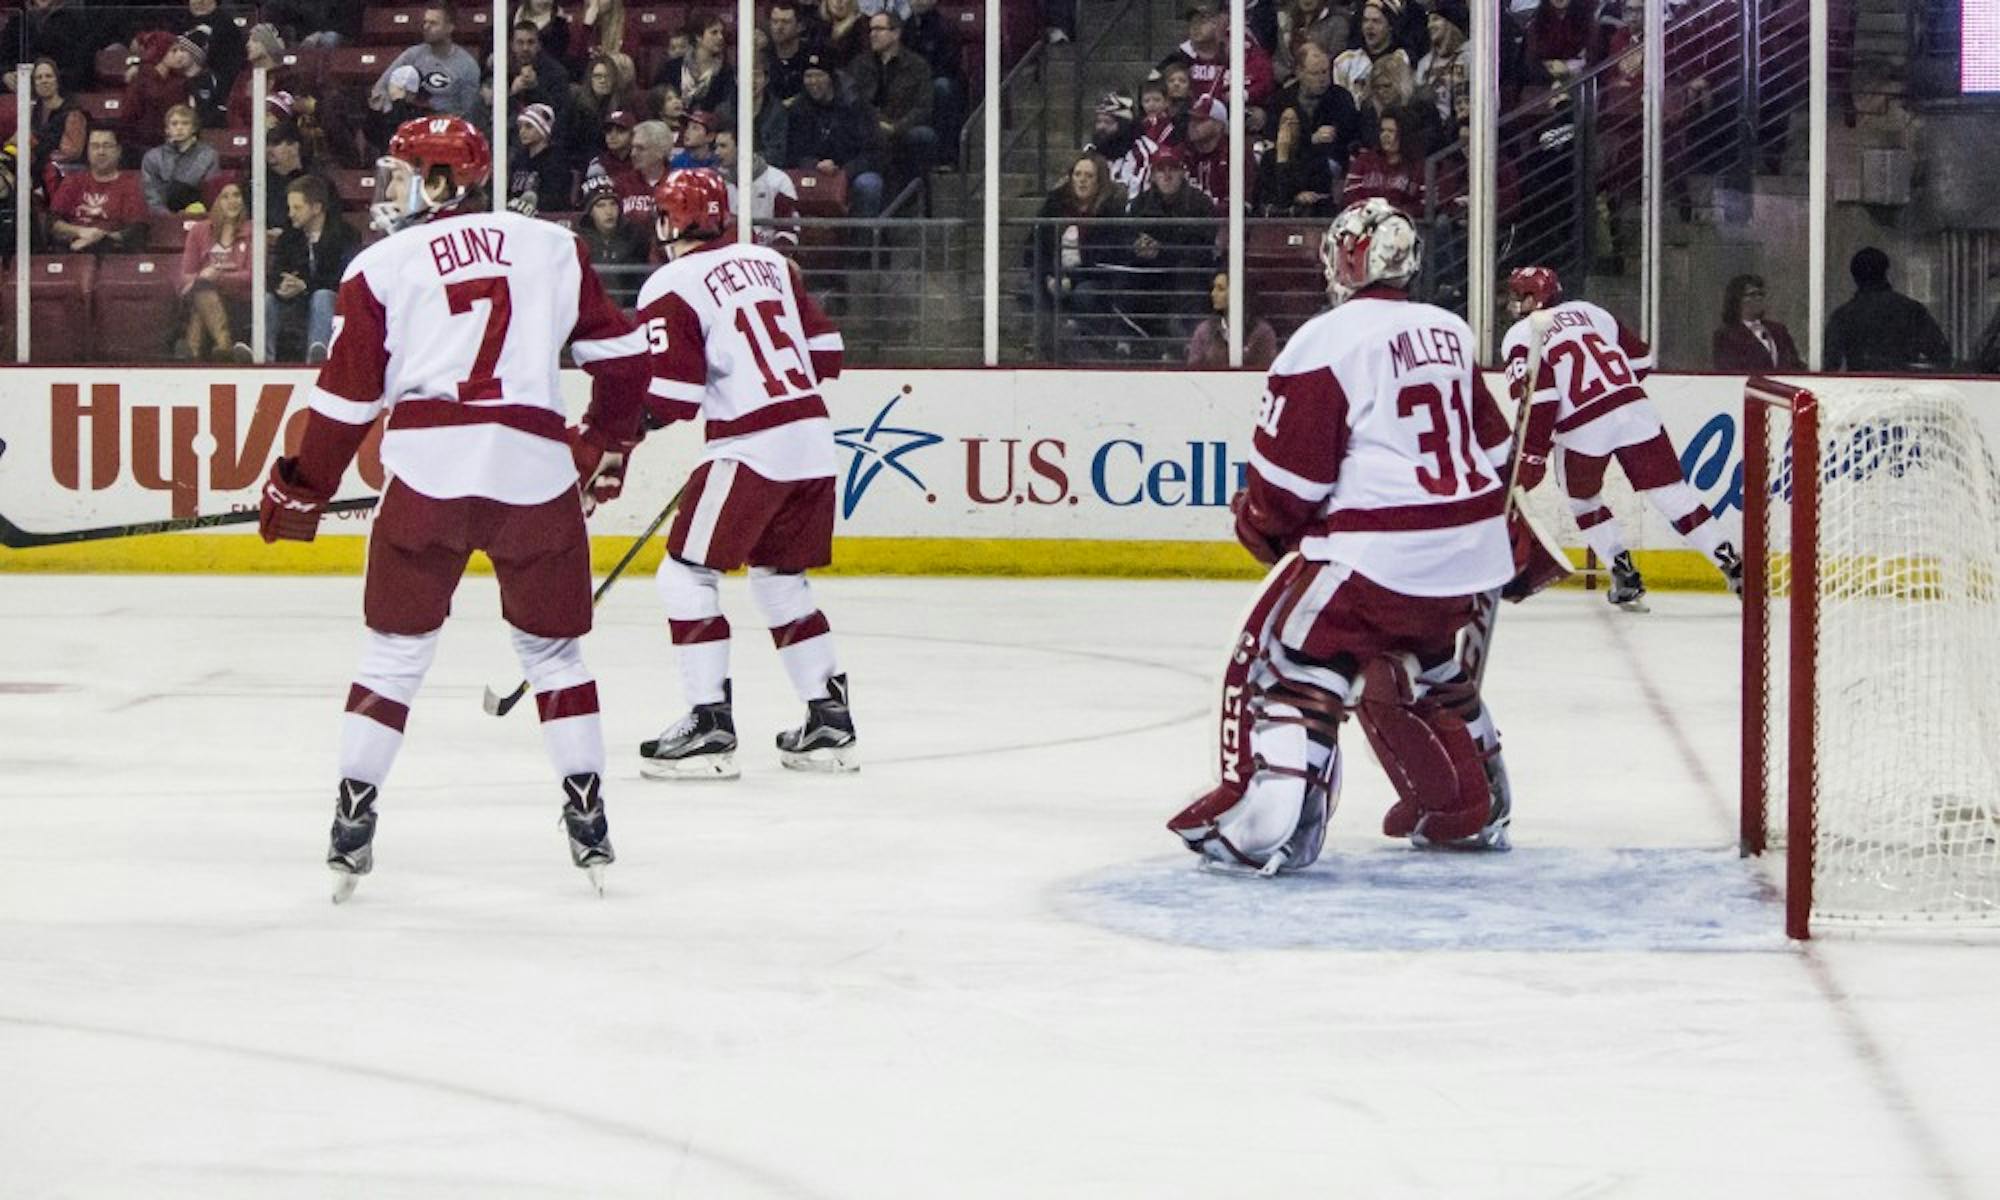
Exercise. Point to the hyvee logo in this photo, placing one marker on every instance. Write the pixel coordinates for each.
(88, 444)
(880, 445)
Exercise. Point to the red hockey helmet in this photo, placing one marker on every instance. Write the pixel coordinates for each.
(1539, 284)
(432, 165)
(691, 204)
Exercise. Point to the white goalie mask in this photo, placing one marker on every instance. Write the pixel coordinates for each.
(1369, 242)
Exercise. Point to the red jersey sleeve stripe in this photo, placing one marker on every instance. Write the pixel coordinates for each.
(350, 384)
(1304, 429)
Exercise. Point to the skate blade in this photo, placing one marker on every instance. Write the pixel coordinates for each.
(1486, 841)
(595, 874)
(833, 760)
(1236, 870)
(344, 884)
(1634, 606)
(705, 767)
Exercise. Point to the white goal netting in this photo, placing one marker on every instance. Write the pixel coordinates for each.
(1904, 670)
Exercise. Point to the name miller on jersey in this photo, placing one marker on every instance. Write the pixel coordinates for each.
(469, 247)
(1424, 347)
(735, 274)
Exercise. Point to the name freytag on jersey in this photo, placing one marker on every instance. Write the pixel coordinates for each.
(1414, 348)
(735, 274)
(469, 246)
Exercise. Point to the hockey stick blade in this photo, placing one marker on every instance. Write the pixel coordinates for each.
(497, 705)
(14, 537)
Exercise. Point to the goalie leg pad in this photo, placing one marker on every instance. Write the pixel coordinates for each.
(1277, 820)
(1429, 755)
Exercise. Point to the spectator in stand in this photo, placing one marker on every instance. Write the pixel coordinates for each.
(154, 85)
(305, 272)
(9, 164)
(1880, 329)
(896, 86)
(1330, 127)
(1561, 42)
(59, 128)
(702, 77)
(215, 277)
(773, 195)
(314, 24)
(933, 37)
(285, 164)
(1158, 125)
(1378, 41)
(538, 78)
(1319, 23)
(1444, 74)
(900, 7)
(1115, 140)
(550, 26)
(449, 73)
(1388, 170)
(1207, 152)
(601, 28)
(828, 134)
(1172, 257)
(100, 209)
(1206, 53)
(1746, 340)
(174, 172)
(1392, 90)
(697, 142)
(673, 113)
(405, 101)
(1178, 79)
(844, 36)
(1209, 347)
(222, 41)
(652, 145)
(768, 116)
(265, 48)
(1066, 256)
(52, 29)
(793, 41)
(603, 90)
(539, 175)
(620, 250)
(1292, 181)
(615, 162)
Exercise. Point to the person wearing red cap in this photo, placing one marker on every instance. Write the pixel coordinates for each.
(1207, 151)
(697, 148)
(1171, 256)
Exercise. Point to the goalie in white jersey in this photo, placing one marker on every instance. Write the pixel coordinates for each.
(1587, 402)
(1377, 485)
(453, 325)
(737, 341)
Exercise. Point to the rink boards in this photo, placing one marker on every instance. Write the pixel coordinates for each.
(940, 471)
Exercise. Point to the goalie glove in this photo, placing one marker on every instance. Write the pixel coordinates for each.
(1530, 471)
(290, 508)
(1255, 529)
(600, 465)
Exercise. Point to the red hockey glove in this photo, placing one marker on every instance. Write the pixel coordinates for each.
(290, 508)
(1533, 467)
(1252, 530)
(600, 465)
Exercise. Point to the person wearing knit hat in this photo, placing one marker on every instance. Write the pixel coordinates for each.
(537, 167)
(1443, 75)
(1376, 39)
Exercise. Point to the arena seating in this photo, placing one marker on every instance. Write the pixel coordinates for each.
(59, 291)
(820, 195)
(132, 302)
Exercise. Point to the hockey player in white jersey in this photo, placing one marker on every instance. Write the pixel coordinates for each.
(737, 341)
(1587, 403)
(453, 325)
(1377, 487)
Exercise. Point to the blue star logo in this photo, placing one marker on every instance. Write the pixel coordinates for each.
(875, 447)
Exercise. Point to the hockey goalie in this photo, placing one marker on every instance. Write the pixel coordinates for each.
(1377, 488)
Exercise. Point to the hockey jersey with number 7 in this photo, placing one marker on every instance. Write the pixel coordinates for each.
(1381, 446)
(737, 341)
(457, 327)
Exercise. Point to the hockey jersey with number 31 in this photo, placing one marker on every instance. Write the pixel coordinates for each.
(737, 341)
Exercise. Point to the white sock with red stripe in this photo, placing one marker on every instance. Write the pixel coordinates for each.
(378, 704)
(798, 629)
(1599, 527)
(700, 631)
(1690, 518)
(566, 698)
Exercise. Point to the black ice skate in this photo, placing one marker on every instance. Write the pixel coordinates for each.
(701, 745)
(351, 849)
(589, 833)
(1628, 589)
(1731, 563)
(826, 741)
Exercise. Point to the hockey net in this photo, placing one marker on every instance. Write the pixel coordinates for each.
(1871, 651)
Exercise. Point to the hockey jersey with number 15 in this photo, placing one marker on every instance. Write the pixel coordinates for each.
(1588, 384)
(1380, 448)
(737, 340)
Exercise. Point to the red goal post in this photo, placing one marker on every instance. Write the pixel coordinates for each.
(1871, 651)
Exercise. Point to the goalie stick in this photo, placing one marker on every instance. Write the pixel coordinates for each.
(14, 537)
(498, 705)
(1475, 653)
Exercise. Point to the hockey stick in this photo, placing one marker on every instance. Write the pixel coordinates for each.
(498, 705)
(14, 537)
(1474, 654)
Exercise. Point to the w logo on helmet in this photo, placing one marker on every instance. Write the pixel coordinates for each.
(440, 125)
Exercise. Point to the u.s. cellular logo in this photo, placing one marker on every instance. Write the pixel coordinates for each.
(878, 446)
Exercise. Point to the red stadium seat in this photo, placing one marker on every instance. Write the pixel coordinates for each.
(167, 234)
(232, 146)
(59, 301)
(360, 64)
(402, 26)
(103, 108)
(654, 23)
(820, 195)
(133, 301)
(111, 66)
(355, 187)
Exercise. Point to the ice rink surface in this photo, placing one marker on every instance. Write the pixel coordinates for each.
(980, 968)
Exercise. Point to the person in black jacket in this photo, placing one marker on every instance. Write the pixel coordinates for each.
(933, 37)
(305, 272)
(1067, 251)
(52, 29)
(536, 166)
(618, 249)
(1881, 329)
(1170, 259)
(826, 134)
